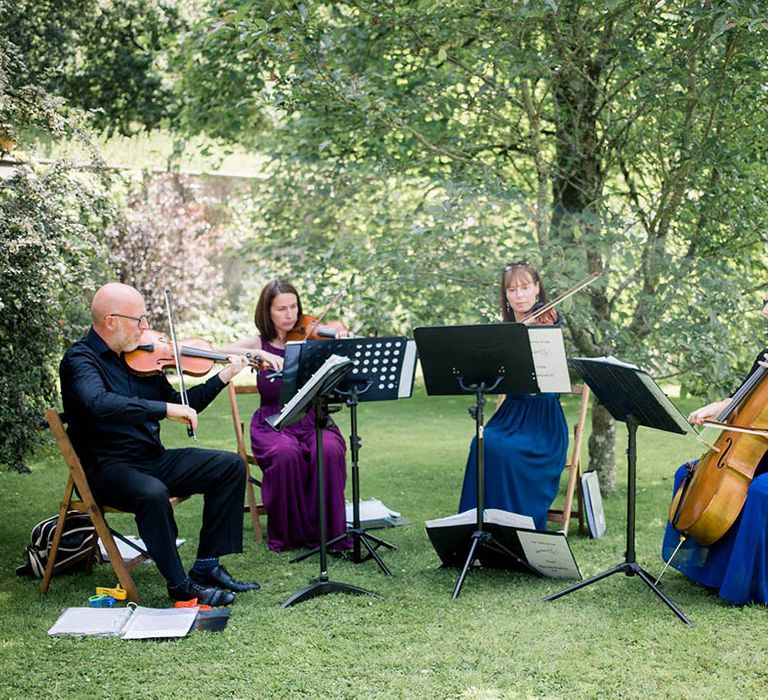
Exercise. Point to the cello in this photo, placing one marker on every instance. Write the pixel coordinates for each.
(713, 492)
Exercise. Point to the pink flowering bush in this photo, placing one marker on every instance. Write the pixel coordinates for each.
(165, 239)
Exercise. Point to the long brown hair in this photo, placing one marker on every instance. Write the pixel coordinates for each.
(262, 317)
(512, 271)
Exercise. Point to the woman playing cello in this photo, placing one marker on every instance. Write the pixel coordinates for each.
(288, 457)
(527, 438)
(736, 565)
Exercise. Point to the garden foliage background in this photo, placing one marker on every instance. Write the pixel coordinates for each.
(402, 152)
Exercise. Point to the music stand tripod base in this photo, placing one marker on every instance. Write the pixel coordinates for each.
(484, 539)
(629, 566)
(630, 569)
(316, 396)
(323, 586)
(384, 370)
(361, 536)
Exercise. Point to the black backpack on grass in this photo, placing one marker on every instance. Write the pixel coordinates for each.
(75, 546)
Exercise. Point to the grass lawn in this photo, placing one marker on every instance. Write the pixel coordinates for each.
(498, 640)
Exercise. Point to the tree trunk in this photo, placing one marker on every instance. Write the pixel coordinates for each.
(602, 447)
(576, 187)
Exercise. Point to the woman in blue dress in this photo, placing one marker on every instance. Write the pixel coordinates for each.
(736, 566)
(526, 440)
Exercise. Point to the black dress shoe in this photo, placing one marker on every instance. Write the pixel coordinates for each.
(206, 595)
(221, 578)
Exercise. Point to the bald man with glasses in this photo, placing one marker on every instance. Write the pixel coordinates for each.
(113, 418)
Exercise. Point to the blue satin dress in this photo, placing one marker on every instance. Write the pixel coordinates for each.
(526, 444)
(736, 566)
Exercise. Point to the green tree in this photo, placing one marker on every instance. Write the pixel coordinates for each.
(103, 56)
(631, 133)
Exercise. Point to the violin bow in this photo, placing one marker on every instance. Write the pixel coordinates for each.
(313, 326)
(177, 358)
(591, 277)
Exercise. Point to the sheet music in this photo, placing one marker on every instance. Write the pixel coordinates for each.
(297, 403)
(549, 553)
(638, 394)
(548, 350)
(90, 622)
(664, 400)
(132, 622)
(405, 387)
(490, 515)
(159, 623)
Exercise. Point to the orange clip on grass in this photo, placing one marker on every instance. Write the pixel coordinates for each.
(192, 603)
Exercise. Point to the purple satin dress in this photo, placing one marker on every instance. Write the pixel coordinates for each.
(289, 484)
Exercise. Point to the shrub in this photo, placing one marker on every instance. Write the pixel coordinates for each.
(48, 248)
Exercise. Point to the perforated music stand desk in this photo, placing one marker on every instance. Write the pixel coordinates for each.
(489, 358)
(383, 370)
(632, 397)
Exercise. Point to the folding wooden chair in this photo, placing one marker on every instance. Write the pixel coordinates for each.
(573, 467)
(254, 508)
(78, 496)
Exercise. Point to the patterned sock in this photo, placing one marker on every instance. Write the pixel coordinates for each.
(203, 565)
(178, 586)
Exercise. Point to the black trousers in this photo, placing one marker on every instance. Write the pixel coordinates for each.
(144, 488)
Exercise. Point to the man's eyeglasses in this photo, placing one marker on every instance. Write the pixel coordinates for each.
(138, 319)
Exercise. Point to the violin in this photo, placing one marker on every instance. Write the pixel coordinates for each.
(155, 354)
(550, 317)
(308, 328)
(545, 311)
(713, 493)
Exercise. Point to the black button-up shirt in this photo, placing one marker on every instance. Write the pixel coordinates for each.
(112, 413)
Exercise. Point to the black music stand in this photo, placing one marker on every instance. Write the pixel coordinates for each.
(632, 397)
(384, 370)
(314, 394)
(482, 359)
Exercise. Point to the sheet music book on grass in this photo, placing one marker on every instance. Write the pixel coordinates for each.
(131, 622)
(548, 553)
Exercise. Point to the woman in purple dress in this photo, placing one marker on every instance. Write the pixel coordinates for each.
(288, 457)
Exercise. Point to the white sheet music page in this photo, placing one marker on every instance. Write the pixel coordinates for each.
(549, 553)
(548, 350)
